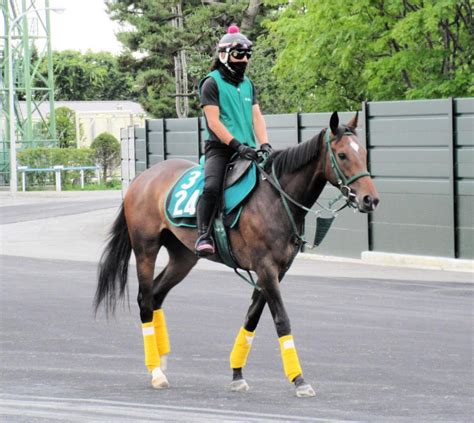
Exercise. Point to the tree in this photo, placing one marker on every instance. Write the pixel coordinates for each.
(338, 53)
(272, 95)
(107, 153)
(65, 127)
(89, 76)
(152, 32)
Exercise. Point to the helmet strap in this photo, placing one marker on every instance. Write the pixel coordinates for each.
(225, 60)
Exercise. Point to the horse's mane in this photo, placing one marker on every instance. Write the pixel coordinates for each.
(293, 158)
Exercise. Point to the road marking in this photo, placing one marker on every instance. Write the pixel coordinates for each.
(78, 409)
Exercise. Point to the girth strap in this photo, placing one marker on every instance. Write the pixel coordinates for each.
(225, 252)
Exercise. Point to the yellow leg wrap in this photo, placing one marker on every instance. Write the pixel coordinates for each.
(152, 358)
(242, 346)
(289, 356)
(161, 332)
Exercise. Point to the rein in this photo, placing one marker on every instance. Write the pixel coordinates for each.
(273, 180)
(322, 224)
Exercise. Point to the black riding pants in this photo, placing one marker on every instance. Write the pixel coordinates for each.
(217, 156)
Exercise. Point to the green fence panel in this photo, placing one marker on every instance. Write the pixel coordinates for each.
(182, 139)
(411, 162)
(421, 157)
(464, 159)
(155, 134)
(141, 155)
(282, 130)
(124, 161)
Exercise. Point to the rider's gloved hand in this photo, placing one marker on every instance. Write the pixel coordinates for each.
(266, 148)
(244, 151)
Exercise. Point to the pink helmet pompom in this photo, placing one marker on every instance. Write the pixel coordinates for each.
(233, 29)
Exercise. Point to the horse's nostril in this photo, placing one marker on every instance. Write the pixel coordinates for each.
(367, 200)
(376, 202)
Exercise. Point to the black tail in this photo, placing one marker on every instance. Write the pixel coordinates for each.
(113, 266)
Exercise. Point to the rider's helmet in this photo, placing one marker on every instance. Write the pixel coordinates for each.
(233, 40)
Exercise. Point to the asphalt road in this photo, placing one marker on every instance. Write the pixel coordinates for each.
(49, 209)
(375, 348)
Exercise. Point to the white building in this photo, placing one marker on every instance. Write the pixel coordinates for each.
(96, 117)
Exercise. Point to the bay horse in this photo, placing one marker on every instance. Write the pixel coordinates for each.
(266, 242)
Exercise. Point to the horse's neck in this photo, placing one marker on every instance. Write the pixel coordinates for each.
(304, 186)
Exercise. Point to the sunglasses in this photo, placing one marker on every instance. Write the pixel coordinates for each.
(240, 54)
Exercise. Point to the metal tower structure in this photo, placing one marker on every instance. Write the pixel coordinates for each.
(26, 23)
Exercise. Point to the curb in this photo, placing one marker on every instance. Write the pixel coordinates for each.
(320, 257)
(400, 260)
(424, 262)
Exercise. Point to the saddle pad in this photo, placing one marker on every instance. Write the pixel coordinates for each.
(182, 199)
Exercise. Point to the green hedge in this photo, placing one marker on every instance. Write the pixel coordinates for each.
(41, 157)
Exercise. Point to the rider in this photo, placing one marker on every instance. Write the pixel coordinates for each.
(233, 124)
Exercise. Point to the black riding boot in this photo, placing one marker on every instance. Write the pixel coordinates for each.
(205, 208)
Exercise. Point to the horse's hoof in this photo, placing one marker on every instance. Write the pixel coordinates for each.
(239, 385)
(159, 380)
(305, 391)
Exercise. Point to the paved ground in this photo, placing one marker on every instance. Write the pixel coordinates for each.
(378, 344)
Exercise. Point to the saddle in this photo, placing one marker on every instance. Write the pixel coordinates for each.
(182, 199)
(235, 169)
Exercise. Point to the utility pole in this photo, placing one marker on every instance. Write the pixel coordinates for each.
(180, 68)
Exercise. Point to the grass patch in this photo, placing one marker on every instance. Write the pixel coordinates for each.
(109, 185)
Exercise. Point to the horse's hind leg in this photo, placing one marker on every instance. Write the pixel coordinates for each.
(146, 250)
(243, 342)
(181, 261)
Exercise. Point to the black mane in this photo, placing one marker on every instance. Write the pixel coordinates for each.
(293, 158)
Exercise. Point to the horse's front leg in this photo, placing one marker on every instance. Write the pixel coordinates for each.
(243, 342)
(291, 365)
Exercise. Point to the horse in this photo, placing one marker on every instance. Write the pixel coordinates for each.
(266, 242)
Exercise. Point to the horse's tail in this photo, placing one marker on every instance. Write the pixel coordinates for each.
(113, 266)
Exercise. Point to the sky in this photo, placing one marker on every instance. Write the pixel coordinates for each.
(84, 25)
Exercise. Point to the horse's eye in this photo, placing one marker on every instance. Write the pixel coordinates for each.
(342, 156)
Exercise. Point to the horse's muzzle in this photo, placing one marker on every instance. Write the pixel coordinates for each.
(368, 204)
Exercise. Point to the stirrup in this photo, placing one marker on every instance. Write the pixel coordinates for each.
(204, 246)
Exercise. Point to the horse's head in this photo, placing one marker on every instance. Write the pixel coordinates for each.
(346, 165)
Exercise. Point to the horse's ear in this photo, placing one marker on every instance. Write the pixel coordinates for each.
(353, 122)
(334, 123)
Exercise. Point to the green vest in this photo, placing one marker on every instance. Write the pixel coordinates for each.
(235, 108)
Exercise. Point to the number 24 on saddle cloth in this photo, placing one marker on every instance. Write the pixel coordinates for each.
(182, 198)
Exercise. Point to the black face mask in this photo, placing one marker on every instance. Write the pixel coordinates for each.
(234, 71)
(238, 68)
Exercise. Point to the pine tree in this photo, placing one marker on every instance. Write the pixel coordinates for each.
(155, 39)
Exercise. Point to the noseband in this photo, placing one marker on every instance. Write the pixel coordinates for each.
(342, 182)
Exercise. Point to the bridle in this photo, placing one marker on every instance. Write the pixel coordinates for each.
(342, 181)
